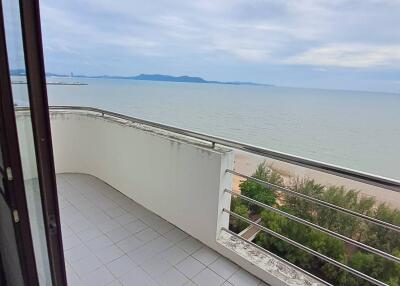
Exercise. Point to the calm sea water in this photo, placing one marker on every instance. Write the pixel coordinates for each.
(359, 130)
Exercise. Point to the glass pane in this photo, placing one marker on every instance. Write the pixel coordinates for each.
(8, 246)
(1, 159)
(1, 170)
(25, 136)
(2, 190)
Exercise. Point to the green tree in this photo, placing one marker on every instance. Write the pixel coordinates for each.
(307, 236)
(238, 207)
(260, 193)
(380, 237)
(374, 266)
(358, 229)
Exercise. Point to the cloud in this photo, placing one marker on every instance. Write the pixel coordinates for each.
(215, 39)
(349, 55)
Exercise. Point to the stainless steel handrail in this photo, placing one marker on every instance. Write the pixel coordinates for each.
(319, 202)
(363, 177)
(275, 256)
(309, 250)
(320, 228)
(367, 178)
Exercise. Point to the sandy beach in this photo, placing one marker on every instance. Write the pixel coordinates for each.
(246, 163)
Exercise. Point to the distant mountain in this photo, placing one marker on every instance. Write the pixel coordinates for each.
(151, 77)
(185, 78)
(161, 77)
(20, 72)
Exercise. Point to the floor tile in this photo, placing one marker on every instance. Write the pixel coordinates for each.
(159, 244)
(108, 225)
(114, 283)
(206, 255)
(142, 254)
(156, 266)
(66, 231)
(89, 234)
(81, 225)
(125, 219)
(190, 267)
(106, 204)
(136, 276)
(136, 226)
(208, 278)
(172, 278)
(121, 266)
(174, 255)
(223, 267)
(71, 241)
(189, 245)
(98, 219)
(86, 265)
(72, 278)
(99, 243)
(77, 252)
(243, 278)
(99, 277)
(138, 211)
(118, 234)
(115, 212)
(109, 254)
(130, 243)
(162, 226)
(147, 235)
(175, 235)
(151, 219)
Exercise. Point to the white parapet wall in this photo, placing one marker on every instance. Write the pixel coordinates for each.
(178, 178)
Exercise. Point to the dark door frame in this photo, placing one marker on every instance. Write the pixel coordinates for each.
(14, 183)
(34, 61)
(15, 196)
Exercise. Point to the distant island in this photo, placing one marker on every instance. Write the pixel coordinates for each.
(151, 77)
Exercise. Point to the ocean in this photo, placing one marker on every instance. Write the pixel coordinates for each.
(354, 129)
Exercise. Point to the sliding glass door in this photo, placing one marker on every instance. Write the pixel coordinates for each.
(29, 197)
(20, 96)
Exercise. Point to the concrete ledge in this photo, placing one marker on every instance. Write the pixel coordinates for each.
(276, 271)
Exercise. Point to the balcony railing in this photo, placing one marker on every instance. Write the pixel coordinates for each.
(365, 178)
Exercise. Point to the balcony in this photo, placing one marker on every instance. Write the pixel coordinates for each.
(148, 204)
(109, 238)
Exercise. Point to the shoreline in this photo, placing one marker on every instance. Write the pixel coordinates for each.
(246, 163)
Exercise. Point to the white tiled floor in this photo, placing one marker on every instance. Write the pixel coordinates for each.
(111, 240)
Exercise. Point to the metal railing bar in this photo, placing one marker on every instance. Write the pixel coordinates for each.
(320, 228)
(275, 256)
(363, 177)
(319, 202)
(310, 251)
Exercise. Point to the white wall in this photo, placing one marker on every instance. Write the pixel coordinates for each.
(181, 181)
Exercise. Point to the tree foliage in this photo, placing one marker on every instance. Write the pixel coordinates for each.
(355, 228)
(237, 206)
(258, 192)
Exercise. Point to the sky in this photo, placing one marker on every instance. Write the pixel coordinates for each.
(333, 44)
